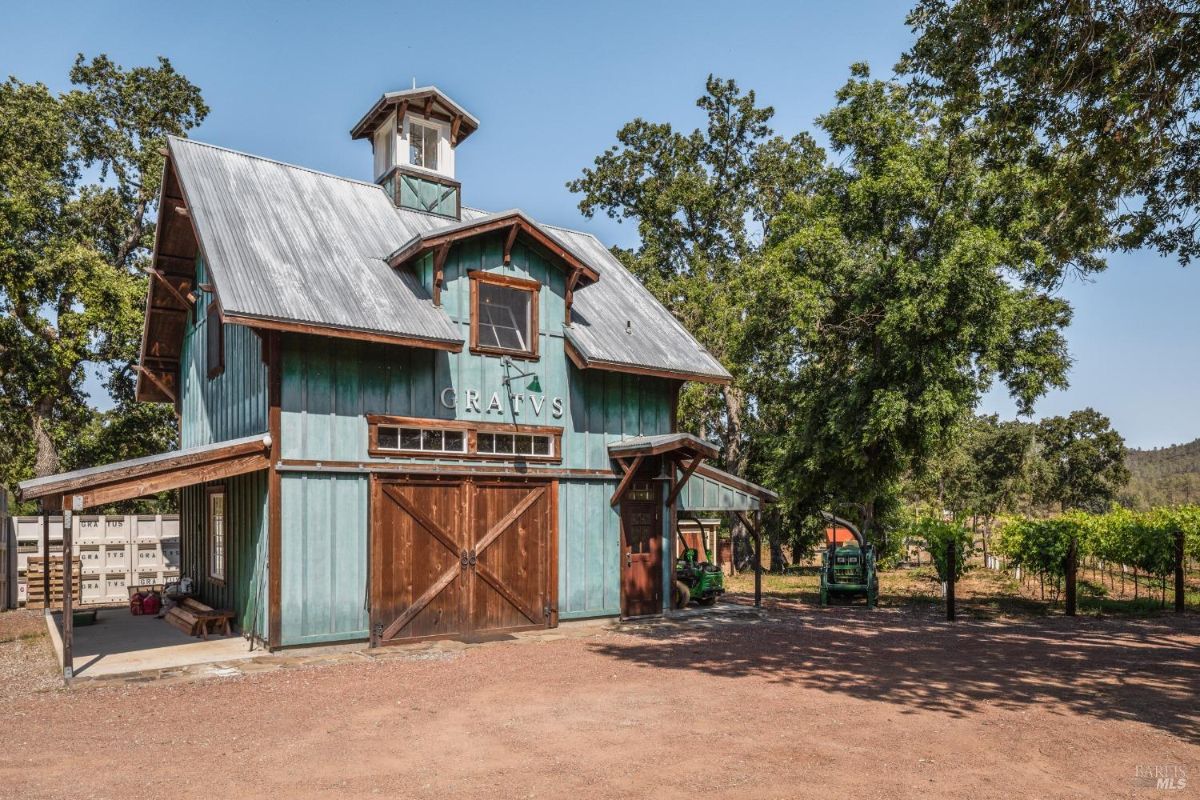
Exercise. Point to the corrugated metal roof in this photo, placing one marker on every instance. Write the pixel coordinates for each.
(292, 244)
(287, 243)
(616, 321)
(662, 442)
(37, 487)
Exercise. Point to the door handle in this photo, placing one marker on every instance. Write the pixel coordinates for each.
(629, 558)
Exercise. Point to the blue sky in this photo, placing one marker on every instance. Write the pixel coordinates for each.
(551, 83)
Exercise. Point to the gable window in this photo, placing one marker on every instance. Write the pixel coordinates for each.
(214, 335)
(392, 437)
(504, 315)
(216, 534)
(422, 145)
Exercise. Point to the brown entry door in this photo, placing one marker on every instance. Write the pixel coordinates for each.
(458, 558)
(641, 550)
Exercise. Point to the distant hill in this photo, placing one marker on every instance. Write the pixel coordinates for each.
(1163, 476)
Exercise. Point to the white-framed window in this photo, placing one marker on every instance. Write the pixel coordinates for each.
(421, 440)
(504, 315)
(216, 534)
(384, 144)
(423, 144)
(517, 444)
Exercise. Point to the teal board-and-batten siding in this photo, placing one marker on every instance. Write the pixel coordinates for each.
(329, 387)
(702, 493)
(229, 405)
(244, 587)
(324, 557)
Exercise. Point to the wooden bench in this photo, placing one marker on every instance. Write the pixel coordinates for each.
(197, 619)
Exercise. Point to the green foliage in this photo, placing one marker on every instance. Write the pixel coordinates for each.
(1144, 542)
(72, 258)
(1163, 476)
(949, 544)
(1081, 461)
(1038, 546)
(1102, 94)
(704, 201)
(917, 275)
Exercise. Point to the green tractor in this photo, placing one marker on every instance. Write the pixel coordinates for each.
(849, 569)
(701, 581)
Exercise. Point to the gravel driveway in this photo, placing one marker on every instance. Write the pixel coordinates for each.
(802, 703)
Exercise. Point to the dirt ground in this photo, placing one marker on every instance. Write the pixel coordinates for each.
(800, 702)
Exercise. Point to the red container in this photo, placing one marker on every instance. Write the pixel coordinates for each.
(151, 604)
(135, 604)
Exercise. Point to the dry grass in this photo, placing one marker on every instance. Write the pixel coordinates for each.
(981, 592)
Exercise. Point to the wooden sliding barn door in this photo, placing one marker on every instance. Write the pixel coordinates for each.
(454, 558)
(418, 560)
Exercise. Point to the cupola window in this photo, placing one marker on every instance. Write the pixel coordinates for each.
(423, 145)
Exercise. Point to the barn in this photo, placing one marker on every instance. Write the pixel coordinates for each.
(402, 417)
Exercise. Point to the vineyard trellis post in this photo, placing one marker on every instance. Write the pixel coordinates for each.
(1070, 577)
(1179, 571)
(951, 556)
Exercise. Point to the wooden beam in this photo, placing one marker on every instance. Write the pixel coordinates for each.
(508, 242)
(158, 383)
(439, 278)
(610, 366)
(185, 300)
(623, 486)
(428, 106)
(687, 473)
(342, 333)
(570, 296)
(68, 601)
(757, 533)
(454, 126)
(275, 491)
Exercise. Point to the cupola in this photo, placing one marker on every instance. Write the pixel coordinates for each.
(414, 134)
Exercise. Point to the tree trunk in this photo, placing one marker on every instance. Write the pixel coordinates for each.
(46, 461)
(777, 560)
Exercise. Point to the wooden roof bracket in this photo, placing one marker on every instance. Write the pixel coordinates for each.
(187, 300)
(623, 486)
(428, 106)
(159, 384)
(683, 479)
(570, 296)
(509, 240)
(439, 278)
(454, 128)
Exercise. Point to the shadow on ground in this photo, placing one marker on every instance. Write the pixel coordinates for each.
(1115, 669)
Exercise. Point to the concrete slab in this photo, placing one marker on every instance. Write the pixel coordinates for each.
(121, 643)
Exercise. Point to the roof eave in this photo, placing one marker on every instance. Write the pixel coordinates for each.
(583, 362)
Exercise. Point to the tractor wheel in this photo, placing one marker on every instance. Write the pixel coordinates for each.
(681, 596)
(824, 597)
(711, 600)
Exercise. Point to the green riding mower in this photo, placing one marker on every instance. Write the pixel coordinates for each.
(696, 580)
(849, 569)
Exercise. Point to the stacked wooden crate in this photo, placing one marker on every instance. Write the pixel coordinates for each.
(115, 552)
(36, 578)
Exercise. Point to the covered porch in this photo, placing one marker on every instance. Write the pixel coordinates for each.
(119, 641)
(696, 487)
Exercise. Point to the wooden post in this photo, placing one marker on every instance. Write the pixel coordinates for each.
(758, 559)
(68, 606)
(1072, 575)
(45, 505)
(1179, 572)
(950, 610)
